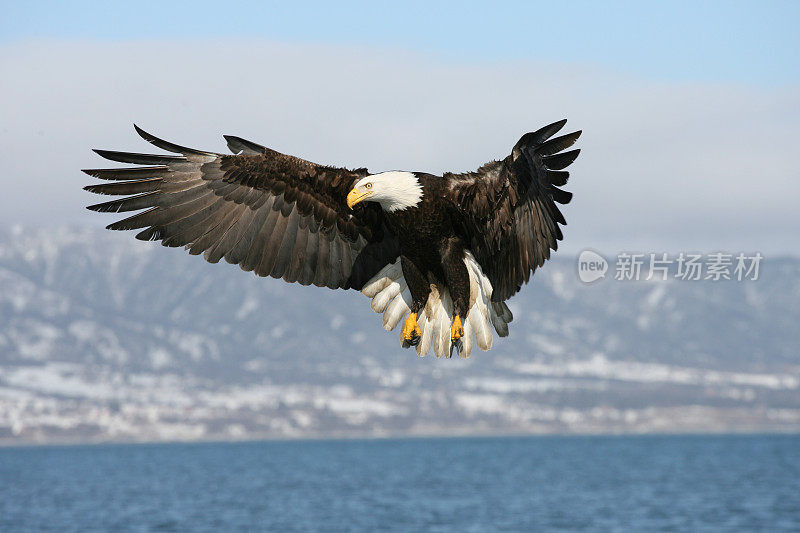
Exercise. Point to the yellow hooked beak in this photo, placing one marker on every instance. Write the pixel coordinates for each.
(355, 196)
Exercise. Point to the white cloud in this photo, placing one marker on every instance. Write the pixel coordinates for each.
(664, 166)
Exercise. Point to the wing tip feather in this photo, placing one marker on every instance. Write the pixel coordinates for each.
(237, 145)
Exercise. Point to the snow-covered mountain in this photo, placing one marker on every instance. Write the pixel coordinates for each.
(106, 338)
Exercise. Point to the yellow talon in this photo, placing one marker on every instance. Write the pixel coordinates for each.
(457, 331)
(411, 331)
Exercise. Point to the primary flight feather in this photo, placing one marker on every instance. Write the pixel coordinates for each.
(443, 252)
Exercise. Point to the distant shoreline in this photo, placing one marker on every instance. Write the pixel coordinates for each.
(366, 438)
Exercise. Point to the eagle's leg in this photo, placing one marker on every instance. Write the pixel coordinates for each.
(420, 289)
(457, 278)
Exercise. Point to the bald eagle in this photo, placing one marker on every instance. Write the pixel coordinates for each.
(444, 251)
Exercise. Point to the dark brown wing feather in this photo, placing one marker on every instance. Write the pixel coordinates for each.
(509, 207)
(268, 212)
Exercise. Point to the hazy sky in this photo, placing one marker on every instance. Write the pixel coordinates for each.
(690, 113)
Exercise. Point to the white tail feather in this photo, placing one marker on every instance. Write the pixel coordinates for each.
(387, 294)
(477, 316)
(426, 338)
(399, 307)
(382, 279)
(466, 340)
(390, 295)
(371, 290)
(441, 345)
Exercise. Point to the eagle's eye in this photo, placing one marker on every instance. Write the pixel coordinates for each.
(367, 185)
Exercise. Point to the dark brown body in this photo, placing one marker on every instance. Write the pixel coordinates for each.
(432, 244)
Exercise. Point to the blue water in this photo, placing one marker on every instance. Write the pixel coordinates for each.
(673, 483)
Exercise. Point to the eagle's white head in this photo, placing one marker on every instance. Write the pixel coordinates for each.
(393, 190)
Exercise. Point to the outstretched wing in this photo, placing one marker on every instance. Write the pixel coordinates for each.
(268, 212)
(509, 207)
